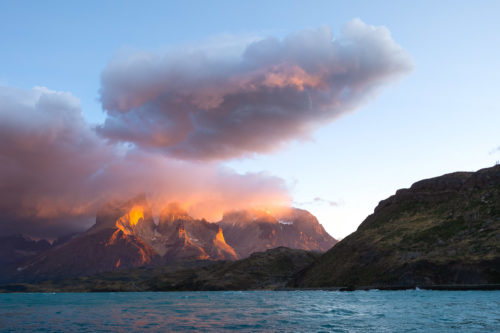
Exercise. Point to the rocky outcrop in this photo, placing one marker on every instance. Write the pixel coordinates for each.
(250, 231)
(440, 231)
(183, 236)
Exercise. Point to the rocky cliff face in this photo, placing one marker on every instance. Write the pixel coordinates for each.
(116, 241)
(250, 231)
(185, 237)
(444, 230)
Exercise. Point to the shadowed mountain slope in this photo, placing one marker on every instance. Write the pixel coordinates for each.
(262, 270)
(17, 249)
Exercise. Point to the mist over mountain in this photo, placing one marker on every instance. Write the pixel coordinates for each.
(250, 231)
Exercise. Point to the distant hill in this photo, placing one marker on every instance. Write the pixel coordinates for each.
(269, 270)
(444, 230)
(16, 249)
(272, 269)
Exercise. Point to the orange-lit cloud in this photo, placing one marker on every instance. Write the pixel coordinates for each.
(201, 105)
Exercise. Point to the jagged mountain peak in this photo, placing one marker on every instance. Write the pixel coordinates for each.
(252, 230)
(200, 239)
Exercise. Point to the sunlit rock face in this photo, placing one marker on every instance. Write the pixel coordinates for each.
(133, 217)
(125, 236)
(182, 236)
(249, 231)
(117, 240)
(176, 237)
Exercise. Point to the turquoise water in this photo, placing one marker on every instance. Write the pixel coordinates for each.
(254, 311)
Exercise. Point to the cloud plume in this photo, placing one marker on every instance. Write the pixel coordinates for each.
(198, 105)
(55, 171)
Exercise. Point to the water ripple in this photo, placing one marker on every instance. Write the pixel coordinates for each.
(257, 311)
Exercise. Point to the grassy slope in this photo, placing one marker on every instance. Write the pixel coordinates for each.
(444, 230)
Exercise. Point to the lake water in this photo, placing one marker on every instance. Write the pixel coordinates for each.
(254, 311)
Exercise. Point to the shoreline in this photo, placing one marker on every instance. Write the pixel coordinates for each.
(21, 288)
(445, 287)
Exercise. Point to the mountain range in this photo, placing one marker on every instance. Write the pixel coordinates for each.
(440, 233)
(125, 236)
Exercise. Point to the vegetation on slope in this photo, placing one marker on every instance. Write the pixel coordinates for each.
(444, 230)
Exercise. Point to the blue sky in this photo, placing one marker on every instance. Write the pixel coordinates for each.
(442, 117)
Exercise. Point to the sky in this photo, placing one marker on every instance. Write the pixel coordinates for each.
(113, 98)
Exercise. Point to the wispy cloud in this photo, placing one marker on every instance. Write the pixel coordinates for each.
(318, 201)
(495, 150)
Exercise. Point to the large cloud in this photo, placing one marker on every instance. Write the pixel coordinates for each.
(55, 170)
(197, 105)
(163, 112)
